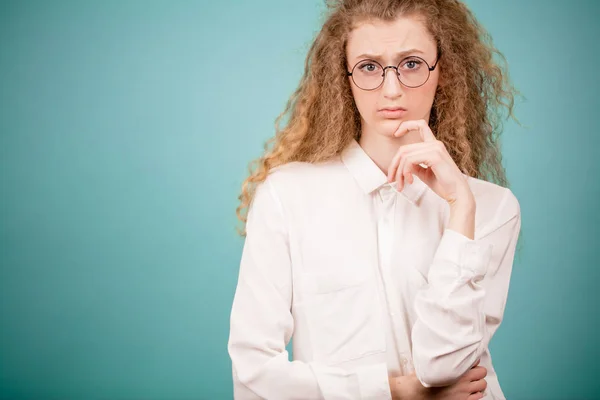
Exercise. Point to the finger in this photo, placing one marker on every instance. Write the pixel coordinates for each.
(405, 151)
(407, 176)
(477, 386)
(407, 126)
(409, 161)
(391, 174)
(400, 173)
(415, 125)
(404, 172)
(404, 128)
(474, 374)
(399, 177)
(423, 173)
(402, 169)
(477, 373)
(407, 148)
(475, 396)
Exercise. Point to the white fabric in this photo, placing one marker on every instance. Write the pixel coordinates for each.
(368, 281)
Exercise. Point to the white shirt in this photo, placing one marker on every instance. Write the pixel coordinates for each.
(368, 281)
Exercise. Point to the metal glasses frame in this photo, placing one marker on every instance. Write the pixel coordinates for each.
(397, 72)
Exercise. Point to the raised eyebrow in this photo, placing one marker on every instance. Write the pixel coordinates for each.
(377, 57)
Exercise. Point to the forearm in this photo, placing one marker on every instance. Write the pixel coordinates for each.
(462, 217)
(463, 304)
(406, 387)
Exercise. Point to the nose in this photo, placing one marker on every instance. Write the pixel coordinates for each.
(392, 87)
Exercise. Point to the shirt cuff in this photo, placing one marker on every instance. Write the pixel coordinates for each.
(458, 256)
(373, 382)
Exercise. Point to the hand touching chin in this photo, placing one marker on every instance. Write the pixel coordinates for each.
(387, 127)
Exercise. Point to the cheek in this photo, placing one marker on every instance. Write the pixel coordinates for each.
(365, 102)
(431, 87)
(429, 96)
(419, 102)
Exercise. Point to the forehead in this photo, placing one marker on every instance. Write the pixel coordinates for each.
(388, 38)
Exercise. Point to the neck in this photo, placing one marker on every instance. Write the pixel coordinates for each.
(382, 148)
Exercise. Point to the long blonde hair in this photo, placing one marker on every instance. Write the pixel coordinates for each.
(466, 114)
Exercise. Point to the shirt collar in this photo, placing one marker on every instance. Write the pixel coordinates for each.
(370, 178)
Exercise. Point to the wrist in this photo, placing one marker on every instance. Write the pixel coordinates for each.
(463, 197)
(403, 387)
(462, 218)
(463, 207)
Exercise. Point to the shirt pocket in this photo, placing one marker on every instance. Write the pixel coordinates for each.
(343, 315)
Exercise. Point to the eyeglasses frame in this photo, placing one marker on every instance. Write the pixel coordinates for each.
(397, 72)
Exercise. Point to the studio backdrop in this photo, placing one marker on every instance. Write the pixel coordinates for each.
(126, 129)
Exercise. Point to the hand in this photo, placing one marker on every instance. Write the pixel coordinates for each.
(431, 162)
(470, 386)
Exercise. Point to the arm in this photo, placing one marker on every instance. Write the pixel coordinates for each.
(261, 324)
(462, 306)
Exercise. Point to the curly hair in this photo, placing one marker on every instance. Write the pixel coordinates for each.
(466, 114)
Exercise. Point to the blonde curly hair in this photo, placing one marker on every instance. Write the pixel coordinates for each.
(466, 114)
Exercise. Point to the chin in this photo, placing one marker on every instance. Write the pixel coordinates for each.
(388, 126)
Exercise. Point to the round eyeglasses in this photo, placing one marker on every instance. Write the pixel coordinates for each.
(412, 72)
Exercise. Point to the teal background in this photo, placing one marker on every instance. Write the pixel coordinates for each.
(126, 128)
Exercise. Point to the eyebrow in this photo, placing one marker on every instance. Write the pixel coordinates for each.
(377, 57)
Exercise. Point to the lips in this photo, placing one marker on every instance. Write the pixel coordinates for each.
(393, 109)
(393, 112)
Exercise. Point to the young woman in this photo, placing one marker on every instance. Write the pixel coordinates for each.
(371, 236)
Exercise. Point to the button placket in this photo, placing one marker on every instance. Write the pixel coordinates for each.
(386, 225)
(389, 198)
(406, 363)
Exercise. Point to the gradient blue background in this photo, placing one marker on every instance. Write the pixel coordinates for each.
(126, 128)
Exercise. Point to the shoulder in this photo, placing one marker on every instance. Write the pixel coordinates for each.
(304, 176)
(496, 205)
(303, 187)
(288, 186)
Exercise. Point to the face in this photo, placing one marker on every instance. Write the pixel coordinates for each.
(388, 43)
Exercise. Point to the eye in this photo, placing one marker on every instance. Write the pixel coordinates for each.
(411, 64)
(368, 67)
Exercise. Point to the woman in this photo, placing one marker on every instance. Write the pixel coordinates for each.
(371, 236)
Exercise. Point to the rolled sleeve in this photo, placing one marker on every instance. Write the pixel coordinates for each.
(462, 306)
(459, 257)
(373, 382)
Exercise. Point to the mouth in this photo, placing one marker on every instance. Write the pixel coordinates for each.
(393, 109)
(392, 112)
